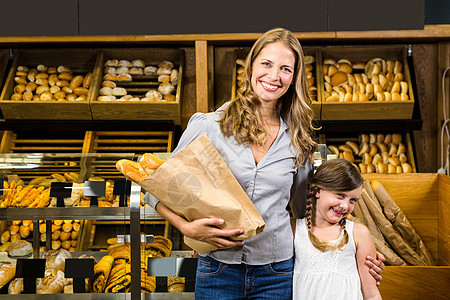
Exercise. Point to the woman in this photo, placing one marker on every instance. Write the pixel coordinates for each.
(264, 137)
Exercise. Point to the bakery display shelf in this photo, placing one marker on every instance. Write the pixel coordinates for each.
(369, 110)
(138, 87)
(75, 213)
(80, 61)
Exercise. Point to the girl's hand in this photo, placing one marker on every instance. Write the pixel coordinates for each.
(206, 230)
(376, 266)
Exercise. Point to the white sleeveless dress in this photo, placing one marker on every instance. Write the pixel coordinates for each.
(325, 275)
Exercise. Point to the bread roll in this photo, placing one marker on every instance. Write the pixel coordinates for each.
(74, 234)
(401, 148)
(76, 226)
(5, 236)
(381, 168)
(362, 168)
(398, 169)
(64, 236)
(364, 148)
(402, 158)
(385, 157)
(56, 235)
(24, 231)
(345, 148)
(66, 244)
(348, 155)
(19, 248)
(382, 147)
(366, 158)
(354, 146)
(166, 88)
(338, 78)
(333, 149)
(13, 229)
(67, 227)
(406, 168)
(394, 160)
(56, 245)
(112, 63)
(364, 138)
(4, 246)
(376, 159)
(76, 81)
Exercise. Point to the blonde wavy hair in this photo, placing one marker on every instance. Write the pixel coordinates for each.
(241, 120)
(338, 175)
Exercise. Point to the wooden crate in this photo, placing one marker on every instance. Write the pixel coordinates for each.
(370, 110)
(425, 199)
(317, 73)
(81, 61)
(126, 110)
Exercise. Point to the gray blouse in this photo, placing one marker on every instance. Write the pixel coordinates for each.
(271, 185)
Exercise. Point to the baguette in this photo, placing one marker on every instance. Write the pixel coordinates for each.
(139, 171)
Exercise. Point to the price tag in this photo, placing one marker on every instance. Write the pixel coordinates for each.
(94, 189)
(79, 269)
(60, 190)
(122, 187)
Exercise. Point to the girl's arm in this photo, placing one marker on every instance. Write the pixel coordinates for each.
(205, 229)
(365, 247)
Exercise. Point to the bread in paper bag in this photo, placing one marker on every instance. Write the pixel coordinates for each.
(196, 183)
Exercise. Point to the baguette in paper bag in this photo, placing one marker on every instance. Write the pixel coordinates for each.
(196, 183)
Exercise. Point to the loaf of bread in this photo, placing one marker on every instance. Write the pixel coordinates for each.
(7, 273)
(15, 286)
(56, 259)
(139, 171)
(52, 283)
(19, 248)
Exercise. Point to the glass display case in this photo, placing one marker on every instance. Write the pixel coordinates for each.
(83, 228)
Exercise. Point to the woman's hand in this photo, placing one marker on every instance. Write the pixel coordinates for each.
(376, 266)
(206, 230)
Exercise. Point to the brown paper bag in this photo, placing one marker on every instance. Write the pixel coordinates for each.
(196, 183)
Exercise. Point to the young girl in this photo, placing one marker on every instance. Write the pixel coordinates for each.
(330, 251)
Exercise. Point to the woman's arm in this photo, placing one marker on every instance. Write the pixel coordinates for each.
(205, 229)
(365, 247)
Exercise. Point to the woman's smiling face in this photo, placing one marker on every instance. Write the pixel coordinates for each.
(273, 71)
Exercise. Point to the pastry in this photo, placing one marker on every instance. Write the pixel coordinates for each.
(101, 273)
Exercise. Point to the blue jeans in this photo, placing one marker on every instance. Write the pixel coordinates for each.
(219, 281)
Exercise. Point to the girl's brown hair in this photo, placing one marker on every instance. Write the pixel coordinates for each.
(337, 175)
(240, 118)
